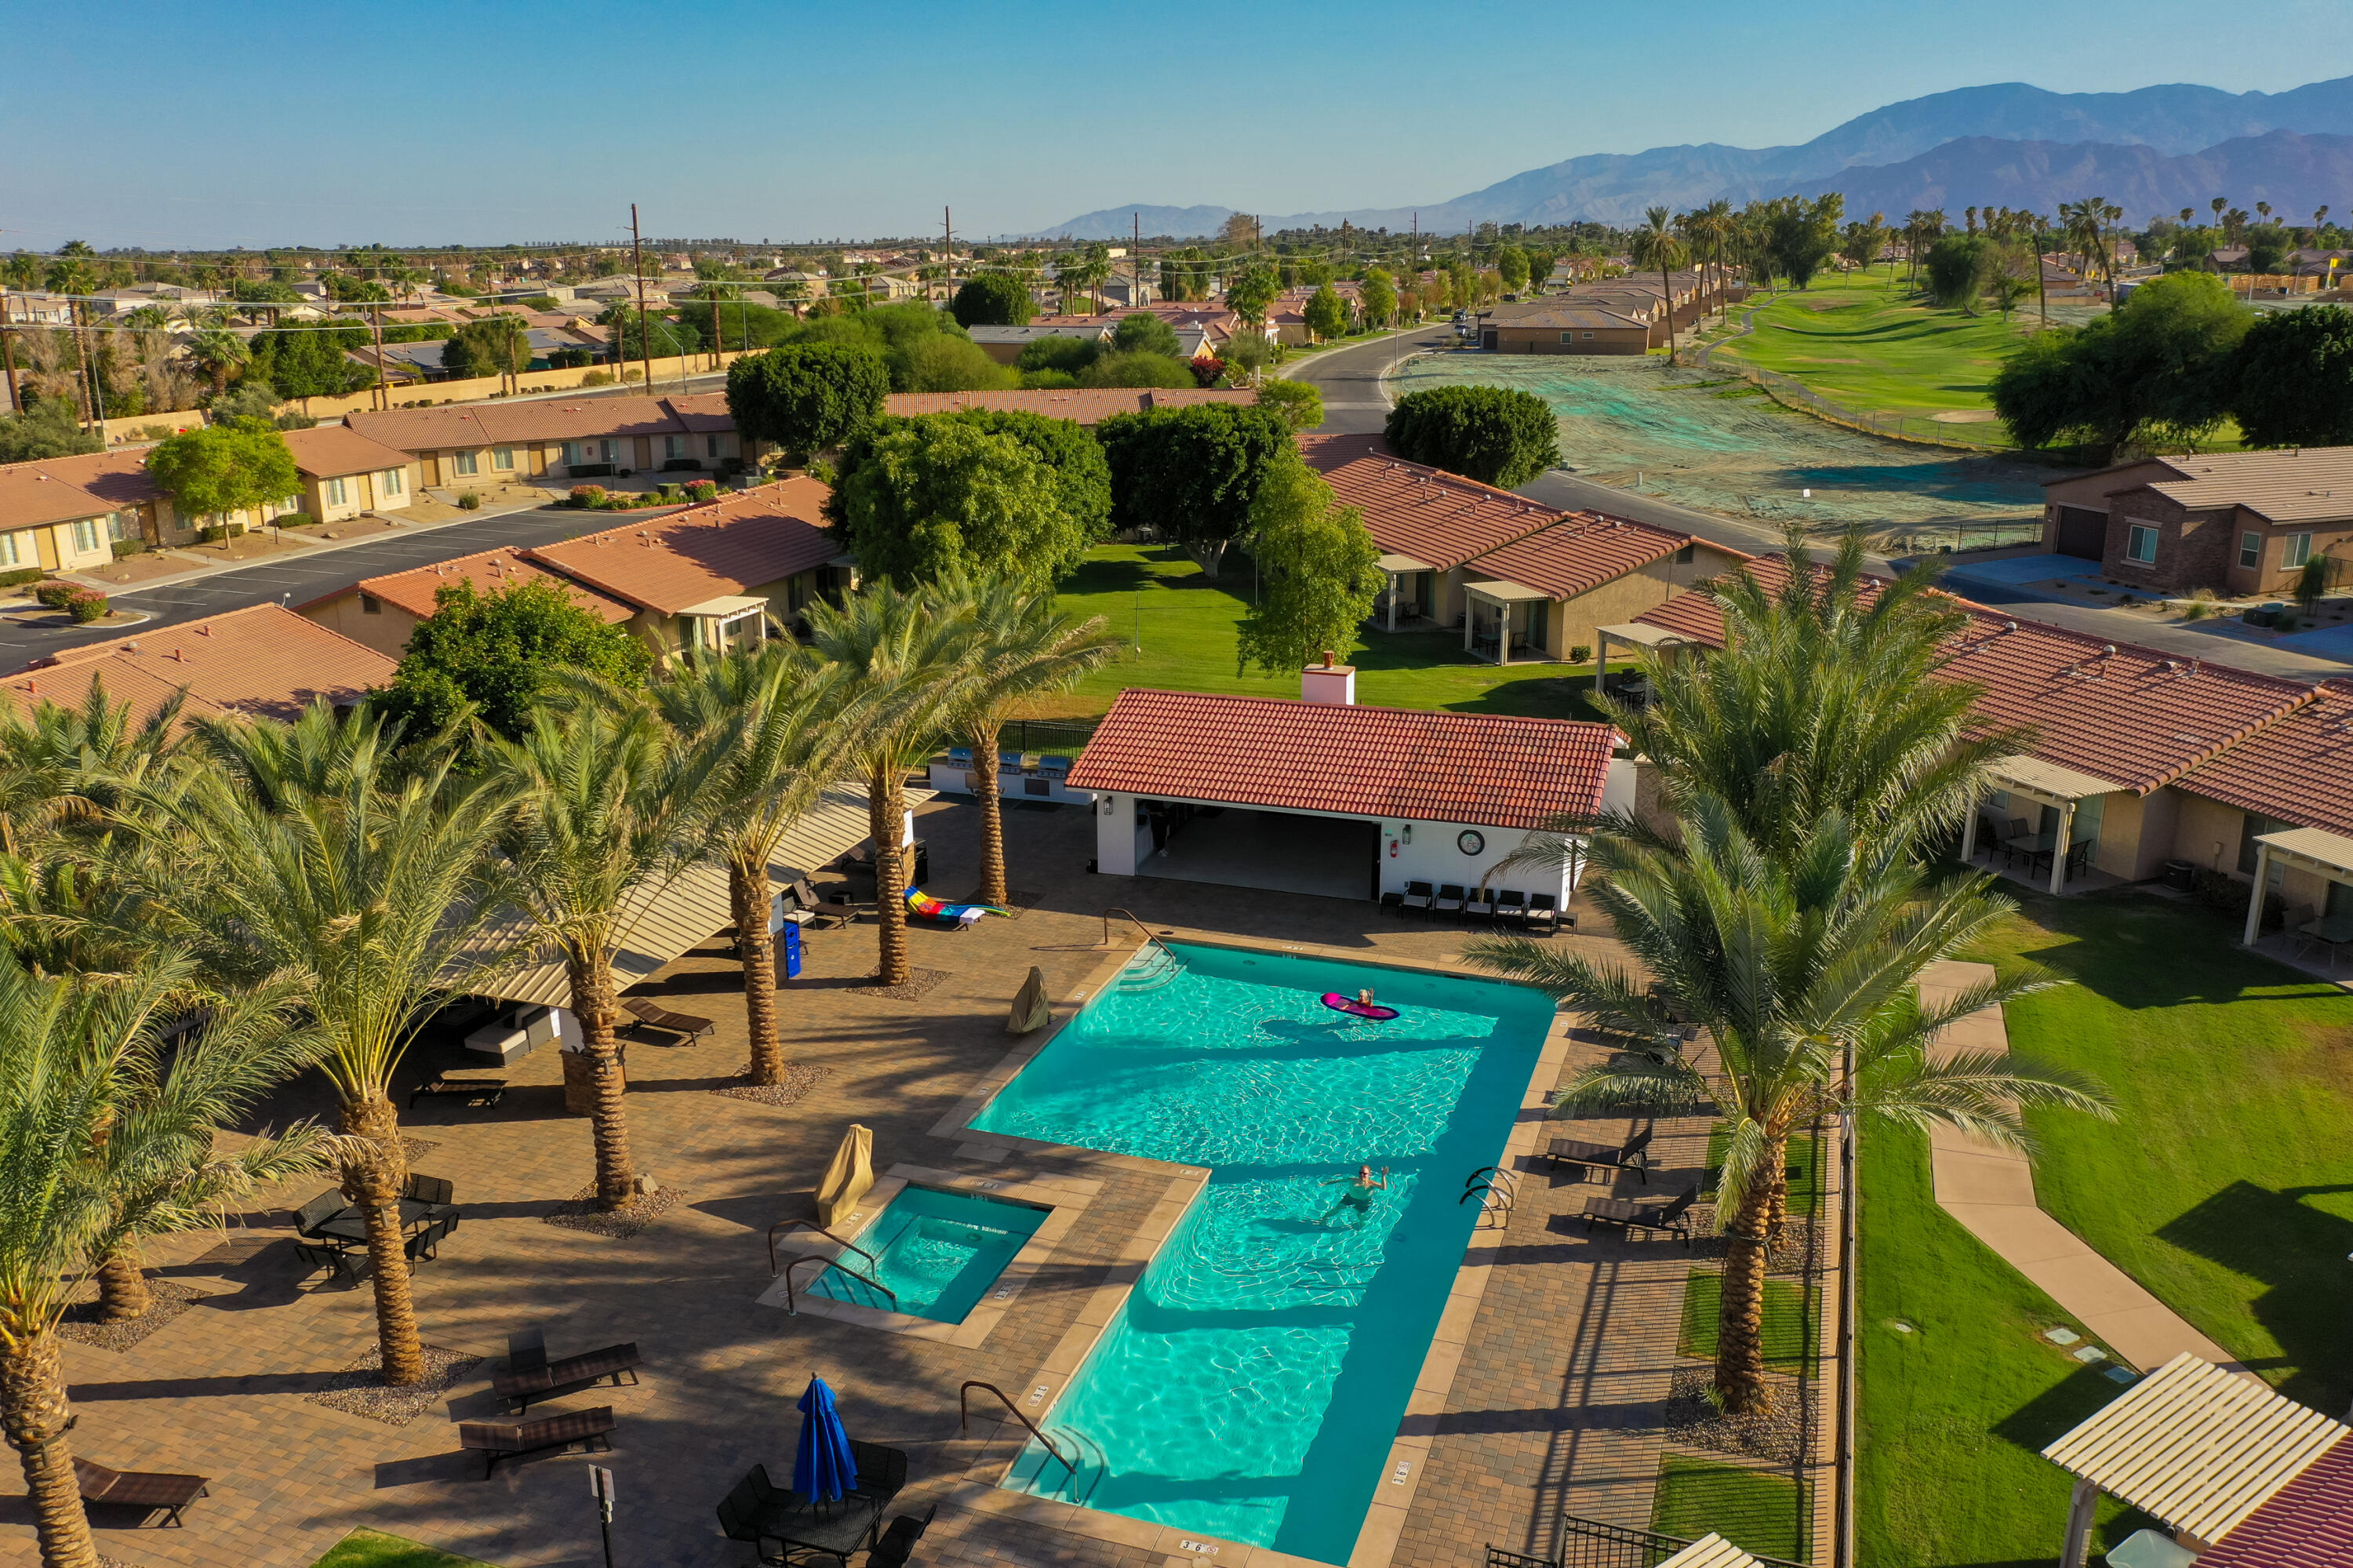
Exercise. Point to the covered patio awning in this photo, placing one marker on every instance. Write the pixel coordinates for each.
(1709, 1551)
(1500, 590)
(1399, 566)
(2196, 1446)
(666, 921)
(2048, 783)
(2325, 855)
(1503, 594)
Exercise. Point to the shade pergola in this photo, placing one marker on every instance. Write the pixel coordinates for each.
(1395, 566)
(1634, 634)
(2046, 784)
(2327, 855)
(1709, 1551)
(1504, 595)
(2195, 1447)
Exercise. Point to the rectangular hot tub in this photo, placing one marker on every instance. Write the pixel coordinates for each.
(936, 1252)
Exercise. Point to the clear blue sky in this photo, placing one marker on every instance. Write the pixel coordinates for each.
(433, 124)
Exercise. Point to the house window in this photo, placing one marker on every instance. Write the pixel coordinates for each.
(673, 446)
(503, 459)
(1683, 555)
(2140, 544)
(2296, 551)
(85, 534)
(389, 482)
(122, 525)
(572, 454)
(1568, 337)
(466, 463)
(334, 492)
(1589, 337)
(371, 604)
(712, 445)
(2251, 551)
(12, 553)
(2256, 826)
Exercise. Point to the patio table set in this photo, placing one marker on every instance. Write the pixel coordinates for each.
(834, 1507)
(333, 1231)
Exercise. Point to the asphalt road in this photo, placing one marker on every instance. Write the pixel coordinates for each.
(1349, 379)
(297, 578)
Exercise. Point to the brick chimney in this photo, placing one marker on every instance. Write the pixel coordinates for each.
(1329, 682)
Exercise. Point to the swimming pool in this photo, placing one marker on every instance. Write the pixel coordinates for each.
(1252, 1384)
(936, 1252)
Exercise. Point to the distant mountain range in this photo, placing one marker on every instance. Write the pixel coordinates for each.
(2153, 150)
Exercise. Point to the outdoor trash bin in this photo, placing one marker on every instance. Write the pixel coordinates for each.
(2179, 874)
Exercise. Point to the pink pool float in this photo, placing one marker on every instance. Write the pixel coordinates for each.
(1349, 1005)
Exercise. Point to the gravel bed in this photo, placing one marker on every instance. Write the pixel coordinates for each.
(1775, 1435)
(920, 983)
(169, 1298)
(581, 1213)
(1802, 1242)
(362, 1391)
(799, 1080)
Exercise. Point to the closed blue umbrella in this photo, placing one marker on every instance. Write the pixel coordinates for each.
(823, 1469)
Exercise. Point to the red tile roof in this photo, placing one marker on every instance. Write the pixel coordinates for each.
(264, 660)
(2299, 770)
(2307, 1523)
(490, 572)
(1085, 405)
(1426, 513)
(551, 420)
(30, 496)
(120, 478)
(2131, 715)
(328, 450)
(1485, 770)
(726, 546)
(1579, 554)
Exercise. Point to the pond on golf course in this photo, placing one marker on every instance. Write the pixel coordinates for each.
(1717, 444)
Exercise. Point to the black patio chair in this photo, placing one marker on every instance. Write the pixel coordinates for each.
(897, 1541)
(1418, 896)
(426, 1244)
(882, 1472)
(1479, 904)
(1670, 1218)
(318, 1210)
(1512, 908)
(429, 1189)
(1448, 900)
(1544, 914)
(750, 1508)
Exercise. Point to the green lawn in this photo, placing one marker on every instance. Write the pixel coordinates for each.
(2225, 1185)
(1791, 1331)
(1952, 1416)
(1188, 624)
(1880, 349)
(372, 1548)
(1756, 1512)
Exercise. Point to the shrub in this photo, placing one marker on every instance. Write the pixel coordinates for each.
(219, 532)
(596, 378)
(126, 548)
(21, 575)
(56, 595)
(297, 519)
(676, 465)
(469, 502)
(587, 496)
(702, 489)
(2221, 891)
(86, 608)
(1579, 652)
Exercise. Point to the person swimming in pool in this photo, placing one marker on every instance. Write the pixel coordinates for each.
(1357, 1193)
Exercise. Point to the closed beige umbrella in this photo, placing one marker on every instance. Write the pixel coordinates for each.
(1031, 1009)
(848, 1177)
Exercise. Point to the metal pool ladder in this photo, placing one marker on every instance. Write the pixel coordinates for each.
(1160, 968)
(1497, 1191)
(792, 1308)
(964, 1421)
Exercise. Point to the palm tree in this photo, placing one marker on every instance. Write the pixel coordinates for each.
(1801, 970)
(899, 656)
(1017, 645)
(218, 354)
(311, 851)
(62, 765)
(80, 1152)
(773, 718)
(608, 812)
(1656, 245)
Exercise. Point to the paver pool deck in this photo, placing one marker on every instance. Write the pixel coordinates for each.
(1556, 1405)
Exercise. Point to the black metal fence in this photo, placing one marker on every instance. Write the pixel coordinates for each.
(1591, 1543)
(1048, 737)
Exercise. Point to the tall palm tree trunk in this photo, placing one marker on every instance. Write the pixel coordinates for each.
(1740, 1318)
(123, 1285)
(33, 1414)
(749, 887)
(886, 803)
(1667, 291)
(608, 1117)
(983, 741)
(372, 1184)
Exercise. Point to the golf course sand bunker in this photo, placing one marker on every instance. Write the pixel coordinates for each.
(1701, 439)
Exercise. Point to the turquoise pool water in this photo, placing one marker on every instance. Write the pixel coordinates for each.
(937, 1252)
(1251, 1387)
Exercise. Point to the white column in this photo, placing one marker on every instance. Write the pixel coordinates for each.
(1393, 598)
(1601, 659)
(2256, 905)
(1470, 616)
(2059, 849)
(1970, 834)
(2079, 1524)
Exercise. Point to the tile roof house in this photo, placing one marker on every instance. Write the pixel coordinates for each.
(265, 660)
(382, 611)
(63, 514)
(345, 473)
(2238, 523)
(558, 440)
(1502, 567)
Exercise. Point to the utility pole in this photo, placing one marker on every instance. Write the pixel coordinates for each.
(7, 348)
(1135, 275)
(644, 336)
(383, 398)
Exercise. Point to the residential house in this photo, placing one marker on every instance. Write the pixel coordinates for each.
(1565, 326)
(65, 514)
(1522, 580)
(559, 440)
(263, 661)
(381, 612)
(344, 473)
(2237, 523)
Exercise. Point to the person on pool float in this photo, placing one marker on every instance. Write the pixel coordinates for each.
(1358, 1192)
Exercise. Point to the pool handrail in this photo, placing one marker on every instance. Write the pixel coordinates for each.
(963, 1419)
(812, 1225)
(1150, 937)
(792, 1308)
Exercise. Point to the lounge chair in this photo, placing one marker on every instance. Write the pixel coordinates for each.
(484, 1092)
(1631, 1155)
(647, 1011)
(1418, 896)
(531, 1375)
(1544, 914)
(147, 1491)
(1512, 908)
(1670, 1218)
(899, 1541)
(806, 897)
(512, 1439)
(1448, 900)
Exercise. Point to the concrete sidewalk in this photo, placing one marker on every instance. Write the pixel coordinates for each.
(1992, 1191)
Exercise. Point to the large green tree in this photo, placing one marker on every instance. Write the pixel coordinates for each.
(1319, 570)
(2157, 368)
(933, 494)
(311, 360)
(495, 345)
(1494, 434)
(223, 470)
(994, 299)
(1326, 313)
(501, 652)
(44, 430)
(807, 398)
(2292, 378)
(1137, 370)
(1191, 474)
(1144, 333)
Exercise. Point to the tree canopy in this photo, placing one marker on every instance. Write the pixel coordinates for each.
(807, 398)
(496, 346)
(1145, 333)
(311, 361)
(44, 430)
(1116, 369)
(933, 496)
(501, 652)
(1492, 434)
(994, 299)
(1327, 315)
(1249, 294)
(223, 469)
(1319, 569)
(1191, 473)
(2293, 378)
(951, 362)
(1301, 403)
(2156, 368)
(1081, 475)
